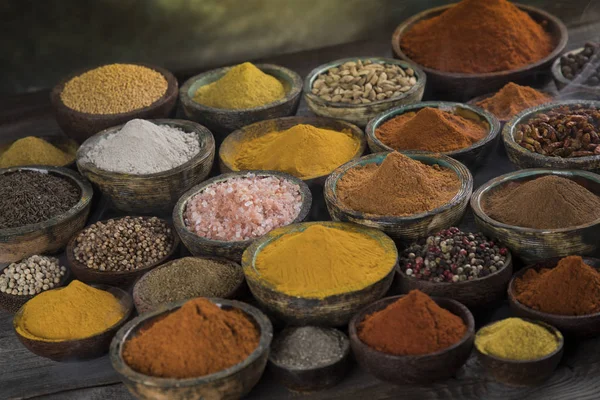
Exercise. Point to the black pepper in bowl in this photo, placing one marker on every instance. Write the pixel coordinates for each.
(572, 65)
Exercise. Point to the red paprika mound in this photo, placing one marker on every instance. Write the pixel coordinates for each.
(512, 99)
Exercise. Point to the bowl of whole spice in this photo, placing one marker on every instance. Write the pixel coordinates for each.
(95, 99)
(41, 208)
(357, 89)
(56, 151)
(578, 69)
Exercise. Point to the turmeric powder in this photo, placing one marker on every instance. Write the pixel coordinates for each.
(34, 151)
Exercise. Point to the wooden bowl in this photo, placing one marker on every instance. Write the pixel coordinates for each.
(154, 193)
(360, 114)
(412, 227)
(63, 143)
(231, 383)
(562, 82)
(524, 158)
(232, 250)
(223, 121)
(80, 126)
(471, 156)
(523, 372)
(332, 311)
(50, 236)
(418, 369)
(538, 244)
(79, 349)
(114, 278)
(466, 86)
(578, 325)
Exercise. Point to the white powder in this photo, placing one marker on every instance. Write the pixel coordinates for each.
(141, 147)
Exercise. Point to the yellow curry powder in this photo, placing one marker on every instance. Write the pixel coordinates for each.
(34, 151)
(321, 261)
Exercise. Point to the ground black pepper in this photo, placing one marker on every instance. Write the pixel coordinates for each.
(308, 347)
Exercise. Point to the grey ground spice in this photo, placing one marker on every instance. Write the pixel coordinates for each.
(308, 347)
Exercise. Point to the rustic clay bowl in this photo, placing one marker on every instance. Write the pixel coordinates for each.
(471, 156)
(80, 125)
(150, 193)
(63, 143)
(538, 244)
(223, 121)
(411, 227)
(232, 383)
(463, 86)
(562, 82)
(523, 372)
(360, 114)
(419, 369)
(232, 250)
(52, 235)
(334, 310)
(80, 349)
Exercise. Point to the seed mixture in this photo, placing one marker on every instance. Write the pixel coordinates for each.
(574, 65)
(308, 347)
(31, 276)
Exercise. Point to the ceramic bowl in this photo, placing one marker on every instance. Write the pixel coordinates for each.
(411, 227)
(50, 236)
(80, 126)
(150, 193)
(360, 114)
(566, 84)
(232, 383)
(538, 244)
(63, 143)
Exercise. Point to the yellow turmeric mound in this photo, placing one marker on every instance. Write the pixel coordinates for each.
(34, 151)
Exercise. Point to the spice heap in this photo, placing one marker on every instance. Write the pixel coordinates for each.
(34, 151)
(243, 208)
(123, 244)
(303, 151)
(412, 325)
(308, 347)
(198, 339)
(400, 186)
(512, 99)
(430, 129)
(572, 65)
(477, 36)
(31, 276)
(114, 89)
(320, 261)
(453, 256)
(76, 311)
(549, 202)
(30, 197)
(564, 131)
(141, 147)
(363, 82)
(243, 86)
(570, 288)
(516, 339)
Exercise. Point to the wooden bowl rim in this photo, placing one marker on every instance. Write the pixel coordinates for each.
(477, 99)
(559, 77)
(54, 140)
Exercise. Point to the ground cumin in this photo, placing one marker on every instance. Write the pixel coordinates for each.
(512, 99)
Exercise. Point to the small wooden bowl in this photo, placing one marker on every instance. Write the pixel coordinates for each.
(579, 325)
(231, 383)
(50, 236)
(538, 244)
(79, 349)
(466, 85)
(360, 114)
(411, 227)
(524, 158)
(471, 156)
(562, 82)
(332, 311)
(523, 372)
(150, 193)
(80, 126)
(114, 278)
(232, 250)
(223, 121)
(63, 143)
(419, 369)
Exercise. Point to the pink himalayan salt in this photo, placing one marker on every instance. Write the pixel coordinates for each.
(243, 208)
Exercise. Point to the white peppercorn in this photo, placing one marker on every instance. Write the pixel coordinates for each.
(26, 277)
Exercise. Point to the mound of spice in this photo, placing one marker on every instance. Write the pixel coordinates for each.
(308, 347)
(570, 288)
(477, 36)
(319, 261)
(516, 339)
(512, 99)
(400, 186)
(243, 86)
(198, 339)
(430, 129)
(31, 276)
(303, 150)
(243, 208)
(114, 89)
(412, 325)
(31, 197)
(573, 65)
(549, 202)
(34, 151)
(453, 256)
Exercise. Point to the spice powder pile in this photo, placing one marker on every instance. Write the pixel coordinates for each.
(512, 99)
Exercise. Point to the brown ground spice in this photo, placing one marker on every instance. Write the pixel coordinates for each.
(512, 99)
